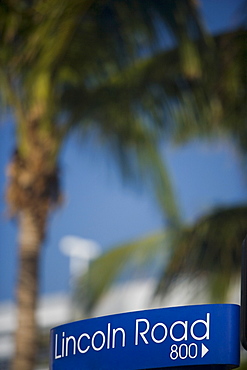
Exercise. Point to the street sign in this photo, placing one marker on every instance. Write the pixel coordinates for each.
(201, 336)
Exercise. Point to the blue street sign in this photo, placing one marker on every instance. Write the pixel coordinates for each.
(160, 338)
(243, 310)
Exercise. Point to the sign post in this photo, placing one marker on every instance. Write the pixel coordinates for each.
(200, 336)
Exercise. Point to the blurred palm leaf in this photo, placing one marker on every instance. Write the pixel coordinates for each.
(123, 262)
(54, 76)
(209, 250)
(217, 105)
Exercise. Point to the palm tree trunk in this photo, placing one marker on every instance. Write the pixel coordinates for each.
(33, 188)
(30, 239)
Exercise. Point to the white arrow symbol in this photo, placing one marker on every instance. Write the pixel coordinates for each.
(204, 350)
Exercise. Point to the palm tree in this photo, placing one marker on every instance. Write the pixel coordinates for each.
(210, 104)
(61, 66)
(208, 250)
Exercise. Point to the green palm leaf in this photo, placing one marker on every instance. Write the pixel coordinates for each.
(122, 262)
(210, 249)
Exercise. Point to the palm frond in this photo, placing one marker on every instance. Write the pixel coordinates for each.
(210, 249)
(122, 262)
(204, 255)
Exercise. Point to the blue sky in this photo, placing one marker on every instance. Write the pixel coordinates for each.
(98, 206)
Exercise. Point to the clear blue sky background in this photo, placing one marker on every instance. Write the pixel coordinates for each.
(98, 206)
